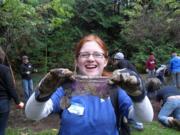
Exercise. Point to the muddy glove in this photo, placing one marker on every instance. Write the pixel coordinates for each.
(51, 81)
(131, 82)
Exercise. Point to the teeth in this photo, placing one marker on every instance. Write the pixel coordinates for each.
(91, 66)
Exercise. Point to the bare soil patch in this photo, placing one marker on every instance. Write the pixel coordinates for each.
(17, 118)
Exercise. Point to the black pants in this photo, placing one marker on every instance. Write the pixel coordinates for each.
(4, 114)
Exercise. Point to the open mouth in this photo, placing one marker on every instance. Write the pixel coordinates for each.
(90, 66)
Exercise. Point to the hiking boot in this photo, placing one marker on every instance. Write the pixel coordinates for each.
(175, 123)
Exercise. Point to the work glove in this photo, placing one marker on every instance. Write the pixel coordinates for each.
(130, 81)
(51, 81)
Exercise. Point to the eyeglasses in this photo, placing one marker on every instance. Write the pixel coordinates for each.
(96, 55)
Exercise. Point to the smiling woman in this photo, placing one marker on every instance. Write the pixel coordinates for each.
(91, 59)
(89, 105)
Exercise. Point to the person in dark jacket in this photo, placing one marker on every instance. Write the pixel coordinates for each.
(26, 71)
(7, 92)
(121, 63)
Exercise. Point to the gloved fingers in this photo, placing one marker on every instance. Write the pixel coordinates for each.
(132, 80)
(72, 78)
(110, 82)
(61, 72)
(45, 79)
(118, 77)
(48, 83)
(124, 77)
(115, 76)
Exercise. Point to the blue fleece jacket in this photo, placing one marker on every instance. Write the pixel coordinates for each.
(89, 115)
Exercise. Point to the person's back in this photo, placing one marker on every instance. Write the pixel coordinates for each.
(175, 64)
(3, 91)
(151, 63)
(7, 91)
(166, 92)
(151, 66)
(175, 69)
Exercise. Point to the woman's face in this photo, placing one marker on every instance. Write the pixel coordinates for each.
(91, 60)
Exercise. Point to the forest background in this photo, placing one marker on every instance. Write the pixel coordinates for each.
(47, 30)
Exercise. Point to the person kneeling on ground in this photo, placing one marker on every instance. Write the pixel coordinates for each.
(169, 114)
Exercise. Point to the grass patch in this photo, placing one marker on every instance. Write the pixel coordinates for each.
(25, 131)
(153, 128)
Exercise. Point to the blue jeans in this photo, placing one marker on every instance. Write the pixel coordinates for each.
(28, 88)
(4, 114)
(171, 108)
(151, 73)
(176, 79)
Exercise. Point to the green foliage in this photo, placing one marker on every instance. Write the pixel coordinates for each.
(153, 31)
(32, 2)
(18, 21)
(26, 26)
(47, 30)
(155, 128)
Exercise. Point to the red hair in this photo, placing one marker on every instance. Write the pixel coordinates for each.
(88, 38)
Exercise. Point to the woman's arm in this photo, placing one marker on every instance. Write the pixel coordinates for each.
(37, 110)
(40, 103)
(142, 111)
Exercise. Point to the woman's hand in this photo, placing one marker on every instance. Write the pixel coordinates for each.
(52, 80)
(129, 80)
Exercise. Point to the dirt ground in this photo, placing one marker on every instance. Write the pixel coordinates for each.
(17, 119)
